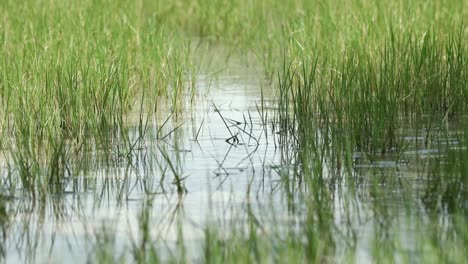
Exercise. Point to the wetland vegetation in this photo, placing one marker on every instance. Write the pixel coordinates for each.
(213, 131)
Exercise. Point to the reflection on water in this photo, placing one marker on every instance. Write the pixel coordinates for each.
(217, 147)
(224, 154)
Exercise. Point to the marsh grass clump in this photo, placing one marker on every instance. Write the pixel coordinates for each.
(365, 101)
(368, 97)
(71, 73)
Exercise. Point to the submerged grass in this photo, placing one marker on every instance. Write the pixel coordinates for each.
(353, 81)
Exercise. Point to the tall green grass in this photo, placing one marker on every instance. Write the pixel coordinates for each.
(371, 99)
(266, 28)
(71, 73)
(352, 78)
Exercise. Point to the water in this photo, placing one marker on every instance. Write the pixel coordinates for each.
(216, 172)
(229, 161)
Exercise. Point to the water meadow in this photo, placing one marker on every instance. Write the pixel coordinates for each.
(233, 132)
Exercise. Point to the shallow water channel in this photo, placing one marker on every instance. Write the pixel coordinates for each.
(229, 161)
(219, 146)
